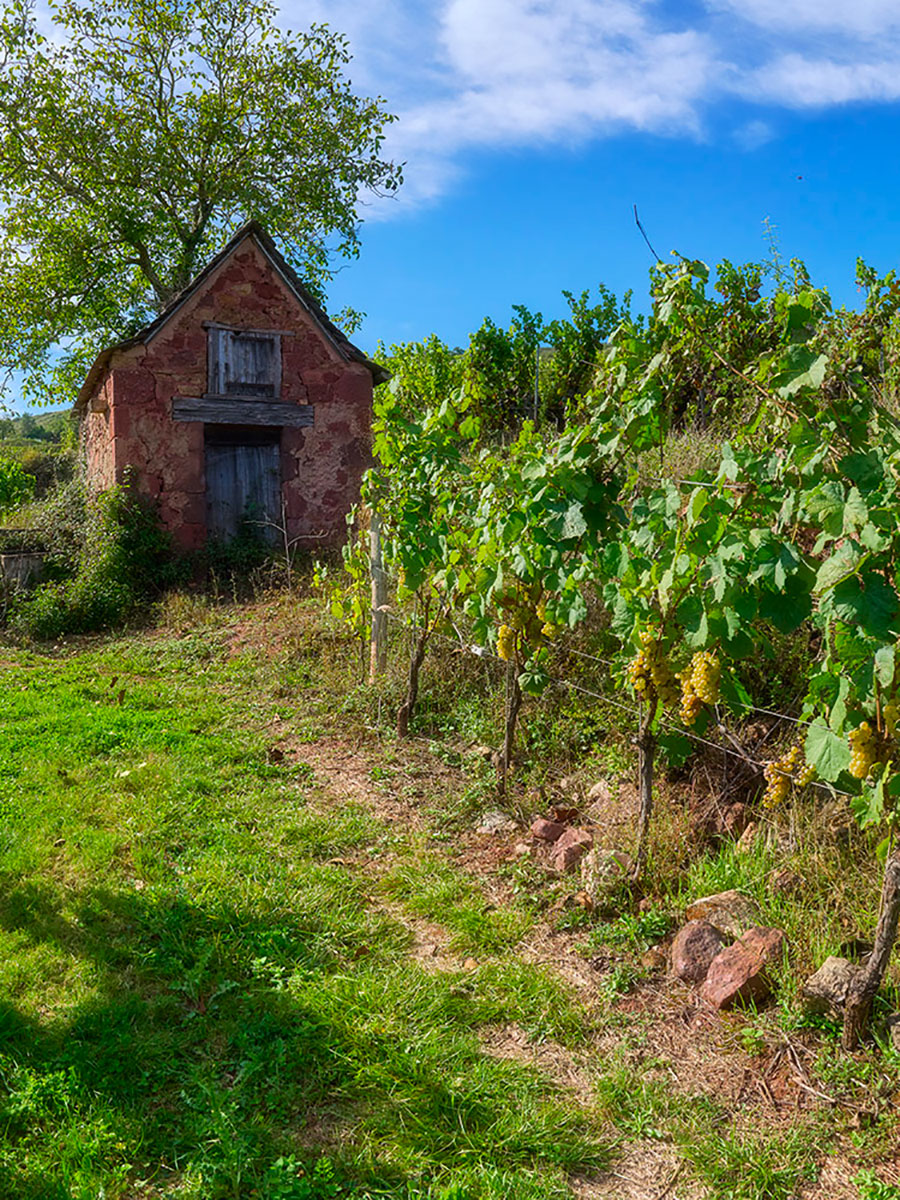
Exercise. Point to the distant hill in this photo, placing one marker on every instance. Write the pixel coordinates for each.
(35, 428)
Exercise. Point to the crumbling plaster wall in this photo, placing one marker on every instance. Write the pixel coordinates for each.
(131, 408)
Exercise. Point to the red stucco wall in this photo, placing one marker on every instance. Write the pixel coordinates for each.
(128, 419)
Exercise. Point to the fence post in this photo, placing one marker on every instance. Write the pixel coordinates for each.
(378, 648)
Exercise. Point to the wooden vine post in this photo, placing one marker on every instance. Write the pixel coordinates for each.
(378, 646)
(646, 753)
(858, 1007)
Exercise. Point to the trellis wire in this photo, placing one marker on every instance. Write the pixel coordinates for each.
(632, 709)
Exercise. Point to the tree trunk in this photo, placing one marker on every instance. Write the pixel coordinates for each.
(513, 704)
(858, 1007)
(646, 755)
(405, 712)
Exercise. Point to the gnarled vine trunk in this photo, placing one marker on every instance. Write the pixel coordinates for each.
(858, 1007)
(513, 704)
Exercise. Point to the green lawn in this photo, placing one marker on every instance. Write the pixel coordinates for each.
(198, 1000)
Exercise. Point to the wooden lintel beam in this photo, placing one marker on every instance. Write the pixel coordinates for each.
(240, 412)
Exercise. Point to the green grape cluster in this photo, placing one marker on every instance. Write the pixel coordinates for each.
(506, 643)
(864, 747)
(699, 684)
(706, 671)
(781, 773)
(649, 672)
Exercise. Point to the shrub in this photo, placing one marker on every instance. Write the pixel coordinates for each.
(114, 553)
(16, 485)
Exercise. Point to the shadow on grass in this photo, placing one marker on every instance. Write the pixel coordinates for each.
(218, 1046)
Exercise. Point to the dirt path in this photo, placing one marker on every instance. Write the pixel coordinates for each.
(659, 1029)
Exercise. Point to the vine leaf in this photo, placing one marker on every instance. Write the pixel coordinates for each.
(884, 666)
(827, 752)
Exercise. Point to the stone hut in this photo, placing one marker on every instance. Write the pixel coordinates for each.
(241, 402)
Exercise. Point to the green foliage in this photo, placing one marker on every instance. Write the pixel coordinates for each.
(123, 556)
(190, 118)
(493, 380)
(785, 535)
(871, 1188)
(16, 485)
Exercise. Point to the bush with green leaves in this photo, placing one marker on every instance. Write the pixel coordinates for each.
(16, 485)
(119, 556)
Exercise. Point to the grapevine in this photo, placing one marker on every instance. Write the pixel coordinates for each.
(789, 526)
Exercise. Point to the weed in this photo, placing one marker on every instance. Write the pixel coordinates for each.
(752, 1168)
(870, 1187)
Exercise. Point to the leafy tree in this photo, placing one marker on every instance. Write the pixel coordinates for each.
(16, 485)
(137, 136)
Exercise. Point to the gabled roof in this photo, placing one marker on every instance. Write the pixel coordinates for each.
(254, 230)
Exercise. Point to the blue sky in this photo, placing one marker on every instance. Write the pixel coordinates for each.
(531, 127)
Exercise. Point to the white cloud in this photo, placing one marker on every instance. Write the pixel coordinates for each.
(857, 18)
(754, 134)
(468, 74)
(801, 82)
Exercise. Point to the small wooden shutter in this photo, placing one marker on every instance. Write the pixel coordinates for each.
(244, 364)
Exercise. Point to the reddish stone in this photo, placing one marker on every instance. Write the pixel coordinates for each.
(694, 948)
(570, 848)
(547, 831)
(739, 972)
(731, 912)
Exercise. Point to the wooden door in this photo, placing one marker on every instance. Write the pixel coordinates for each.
(243, 483)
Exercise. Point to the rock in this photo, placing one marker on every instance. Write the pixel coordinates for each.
(601, 870)
(693, 950)
(783, 881)
(547, 831)
(745, 842)
(826, 990)
(570, 786)
(739, 972)
(570, 848)
(735, 820)
(731, 912)
(599, 793)
(495, 821)
(654, 958)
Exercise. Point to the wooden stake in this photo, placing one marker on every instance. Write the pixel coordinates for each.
(646, 755)
(378, 647)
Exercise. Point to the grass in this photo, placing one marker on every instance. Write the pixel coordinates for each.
(199, 997)
(206, 989)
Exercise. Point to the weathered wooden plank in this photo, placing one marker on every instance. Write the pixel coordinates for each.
(243, 484)
(215, 410)
(236, 329)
